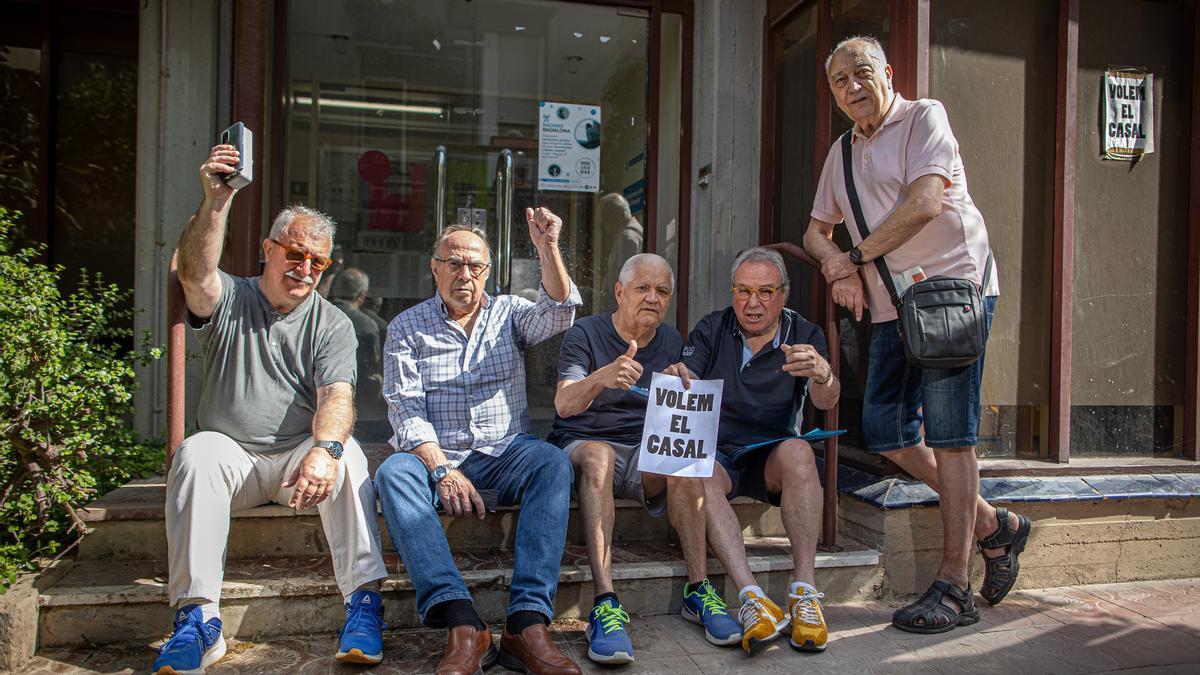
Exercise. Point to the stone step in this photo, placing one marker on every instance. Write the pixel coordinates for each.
(127, 524)
(94, 602)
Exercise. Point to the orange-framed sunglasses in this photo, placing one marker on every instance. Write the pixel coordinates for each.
(297, 256)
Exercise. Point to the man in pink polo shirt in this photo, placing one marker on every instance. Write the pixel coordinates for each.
(913, 192)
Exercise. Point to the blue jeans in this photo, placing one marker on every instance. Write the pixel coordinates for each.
(900, 398)
(531, 473)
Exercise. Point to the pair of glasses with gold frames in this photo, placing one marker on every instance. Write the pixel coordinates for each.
(764, 293)
(455, 265)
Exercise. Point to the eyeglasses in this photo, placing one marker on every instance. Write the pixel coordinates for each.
(297, 256)
(475, 268)
(764, 293)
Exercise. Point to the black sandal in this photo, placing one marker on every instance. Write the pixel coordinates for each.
(931, 615)
(1000, 573)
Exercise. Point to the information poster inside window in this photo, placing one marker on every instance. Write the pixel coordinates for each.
(568, 147)
(1128, 113)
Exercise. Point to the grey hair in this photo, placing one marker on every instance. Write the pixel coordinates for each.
(640, 260)
(351, 283)
(873, 48)
(451, 229)
(761, 254)
(316, 223)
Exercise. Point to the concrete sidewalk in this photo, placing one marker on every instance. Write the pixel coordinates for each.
(1132, 627)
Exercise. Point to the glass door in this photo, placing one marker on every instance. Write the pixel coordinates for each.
(405, 116)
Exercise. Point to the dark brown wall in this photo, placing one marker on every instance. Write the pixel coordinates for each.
(1131, 219)
(993, 66)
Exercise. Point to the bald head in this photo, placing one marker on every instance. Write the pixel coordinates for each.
(648, 262)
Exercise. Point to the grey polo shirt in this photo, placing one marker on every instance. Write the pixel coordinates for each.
(262, 369)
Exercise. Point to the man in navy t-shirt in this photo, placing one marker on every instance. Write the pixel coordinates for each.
(771, 359)
(599, 425)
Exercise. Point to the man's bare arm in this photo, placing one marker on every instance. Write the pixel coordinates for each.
(200, 245)
(314, 478)
(544, 228)
(334, 419)
(921, 204)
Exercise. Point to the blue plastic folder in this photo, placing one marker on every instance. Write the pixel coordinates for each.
(817, 434)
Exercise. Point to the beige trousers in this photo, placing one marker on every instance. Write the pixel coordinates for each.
(212, 476)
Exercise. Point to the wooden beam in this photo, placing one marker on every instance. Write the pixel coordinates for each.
(1191, 399)
(1064, 231)
(249, 89)
(768, 229)
(683, 232)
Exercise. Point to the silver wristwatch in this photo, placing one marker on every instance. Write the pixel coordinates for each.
(439, 472)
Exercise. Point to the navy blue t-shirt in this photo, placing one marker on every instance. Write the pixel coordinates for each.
(760, 401)
(615, 414)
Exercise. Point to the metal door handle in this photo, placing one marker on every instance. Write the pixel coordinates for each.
(439, 188)
(504, 204)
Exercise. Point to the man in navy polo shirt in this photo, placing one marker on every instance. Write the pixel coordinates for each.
(771, 359)
(604, 359)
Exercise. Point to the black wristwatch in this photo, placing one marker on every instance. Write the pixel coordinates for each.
(439, 472)
(855, 256)
(334, 448)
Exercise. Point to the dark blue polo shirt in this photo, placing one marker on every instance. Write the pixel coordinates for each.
(760, 401)
(615, 414)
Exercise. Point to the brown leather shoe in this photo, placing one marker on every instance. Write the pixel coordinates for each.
(533, 651)
(468, 651)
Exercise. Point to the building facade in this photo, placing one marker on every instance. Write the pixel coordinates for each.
(714, 119)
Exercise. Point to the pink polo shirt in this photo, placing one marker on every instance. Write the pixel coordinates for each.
(914, 140)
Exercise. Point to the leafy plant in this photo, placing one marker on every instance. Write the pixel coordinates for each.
(66, 393)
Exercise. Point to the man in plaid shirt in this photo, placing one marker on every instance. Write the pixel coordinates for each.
(454, 380)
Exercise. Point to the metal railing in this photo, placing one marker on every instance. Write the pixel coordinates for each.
(504, 207)
(439, 189)
(829, 513)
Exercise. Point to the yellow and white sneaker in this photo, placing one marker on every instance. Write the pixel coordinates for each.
(809, 633)
(762, 621)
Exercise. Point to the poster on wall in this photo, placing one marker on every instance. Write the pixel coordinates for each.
(568, 147)
(1128, 114)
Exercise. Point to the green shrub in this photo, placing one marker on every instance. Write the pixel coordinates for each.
(66, 394)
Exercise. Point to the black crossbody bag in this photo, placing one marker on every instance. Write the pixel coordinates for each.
(941, 319)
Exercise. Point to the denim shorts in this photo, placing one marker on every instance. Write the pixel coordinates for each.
(900, 397)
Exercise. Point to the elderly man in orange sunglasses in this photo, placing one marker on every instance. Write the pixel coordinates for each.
(275, 418)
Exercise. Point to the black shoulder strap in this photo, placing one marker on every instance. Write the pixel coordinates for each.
(852, 194)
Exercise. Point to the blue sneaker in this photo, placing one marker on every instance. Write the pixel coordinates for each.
(703, 606)
(362, 638)
(194, 645)
(608, 641)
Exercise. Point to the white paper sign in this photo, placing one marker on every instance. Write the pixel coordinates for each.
(1128, 113)
(568, 147)
(680, 436)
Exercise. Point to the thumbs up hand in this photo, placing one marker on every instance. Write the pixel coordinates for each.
(624, 372)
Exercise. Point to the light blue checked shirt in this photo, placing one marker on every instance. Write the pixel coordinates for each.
(466, 393)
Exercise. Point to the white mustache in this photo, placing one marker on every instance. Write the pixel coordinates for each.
(306, 279)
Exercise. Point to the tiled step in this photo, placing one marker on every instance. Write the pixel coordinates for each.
(102, 602)
(127, 524)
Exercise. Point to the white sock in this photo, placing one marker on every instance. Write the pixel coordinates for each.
(208, 608)
(797, 586)
(369, 586)
(751, 588)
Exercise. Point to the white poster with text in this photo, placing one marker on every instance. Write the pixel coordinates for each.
(680, 436)
(1128, 113)
(568, 147)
